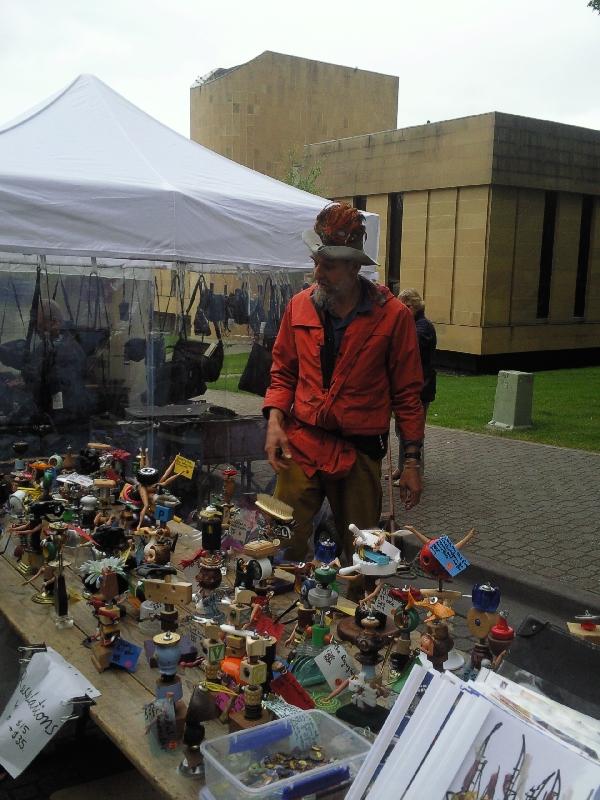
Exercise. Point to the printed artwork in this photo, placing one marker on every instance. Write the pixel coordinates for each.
(512, 761)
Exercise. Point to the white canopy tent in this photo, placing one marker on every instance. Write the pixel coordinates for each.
(86, 173)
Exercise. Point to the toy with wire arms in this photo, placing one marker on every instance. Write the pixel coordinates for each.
(107, 580)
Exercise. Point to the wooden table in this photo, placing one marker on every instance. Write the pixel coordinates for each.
(119, 711)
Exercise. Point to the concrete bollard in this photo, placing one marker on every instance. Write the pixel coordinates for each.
(513, 403)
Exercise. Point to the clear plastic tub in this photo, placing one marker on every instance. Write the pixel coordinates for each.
(233, 763)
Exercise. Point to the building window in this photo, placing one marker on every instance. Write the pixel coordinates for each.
(546, 255)
(360, 202)
(583, 257)
(394, 253)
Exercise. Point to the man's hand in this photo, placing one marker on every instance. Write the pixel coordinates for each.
(276, 444)
(411, 486)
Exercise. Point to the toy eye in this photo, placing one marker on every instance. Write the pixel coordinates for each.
(433, 600)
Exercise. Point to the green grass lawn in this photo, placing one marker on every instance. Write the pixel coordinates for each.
(566, 403)
(233, 366)
(566, 406)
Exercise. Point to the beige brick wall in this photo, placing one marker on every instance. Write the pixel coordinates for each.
(439, 261)
(440, 155)
(469, 255)
(500, 255)
(260, 112)
(414, 241)
(526, 266)
(544, 336)
(378, 204)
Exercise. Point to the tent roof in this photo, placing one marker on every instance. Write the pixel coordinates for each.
(86, 173)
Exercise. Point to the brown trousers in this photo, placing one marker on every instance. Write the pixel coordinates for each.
(355, 499)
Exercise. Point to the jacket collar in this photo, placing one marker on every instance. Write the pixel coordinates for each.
(305, 314)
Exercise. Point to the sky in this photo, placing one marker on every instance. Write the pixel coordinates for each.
(539, 58)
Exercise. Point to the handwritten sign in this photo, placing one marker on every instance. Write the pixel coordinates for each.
(451, 559)
(335, 664)
(38, 708)
(385, 602)
(280, 708)
(184, 467)
(305, 731)
(125, 654)
(241, 524)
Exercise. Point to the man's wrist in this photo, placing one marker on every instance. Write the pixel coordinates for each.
(276, 415)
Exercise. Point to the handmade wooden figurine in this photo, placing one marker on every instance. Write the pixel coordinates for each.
(51, 545)
(439, 631)
(374, 558)
(481, 618)
(29, 549)
(500, 638)
(201, 708)
(103, 578)
(319, 599)
(143, 495)
(586, 626)
(165, 590)
(167, 654)
(369, 631)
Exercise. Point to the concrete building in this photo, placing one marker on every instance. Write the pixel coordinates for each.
(260, 112)
(494, 218)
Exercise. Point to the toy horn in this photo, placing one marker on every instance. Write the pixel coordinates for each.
(466, 539)
(420, 536)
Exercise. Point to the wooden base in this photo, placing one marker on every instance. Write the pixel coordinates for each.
(238, 722)
(43, 599)
(29, 563)
(589, 636)
(101, 656)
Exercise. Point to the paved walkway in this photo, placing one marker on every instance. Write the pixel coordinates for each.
(536, 508)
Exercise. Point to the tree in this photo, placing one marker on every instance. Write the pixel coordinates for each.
(300, 176)
(595, 4)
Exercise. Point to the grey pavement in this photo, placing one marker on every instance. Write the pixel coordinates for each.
(536, 508)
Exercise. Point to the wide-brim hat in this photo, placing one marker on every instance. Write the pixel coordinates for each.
(339, 233)
(342, 252)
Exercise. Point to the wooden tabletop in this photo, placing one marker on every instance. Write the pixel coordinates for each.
(119, 711)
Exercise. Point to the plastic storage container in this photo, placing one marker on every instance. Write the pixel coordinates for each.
(232, 762)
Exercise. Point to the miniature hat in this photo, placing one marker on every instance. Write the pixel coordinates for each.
(339, 233)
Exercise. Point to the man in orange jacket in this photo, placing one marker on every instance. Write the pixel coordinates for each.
(346, 357)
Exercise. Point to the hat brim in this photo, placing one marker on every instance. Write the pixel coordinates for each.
(315, 244)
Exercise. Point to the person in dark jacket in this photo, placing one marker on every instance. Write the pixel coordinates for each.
(427, 344)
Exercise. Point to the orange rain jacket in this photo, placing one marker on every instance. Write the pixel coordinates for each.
(377, 373)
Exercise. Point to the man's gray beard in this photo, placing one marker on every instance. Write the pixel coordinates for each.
(322, 299)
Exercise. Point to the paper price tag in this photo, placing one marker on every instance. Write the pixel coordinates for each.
(451, 559)
(305, 731)
(184, 467)
(38, 708)
(280, 708)
(335, 664)
(384, 602)
(125, 654)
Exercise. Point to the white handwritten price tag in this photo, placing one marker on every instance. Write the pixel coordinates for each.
(305, 731)
(384, 602)
(37, 709)
(335, 664)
